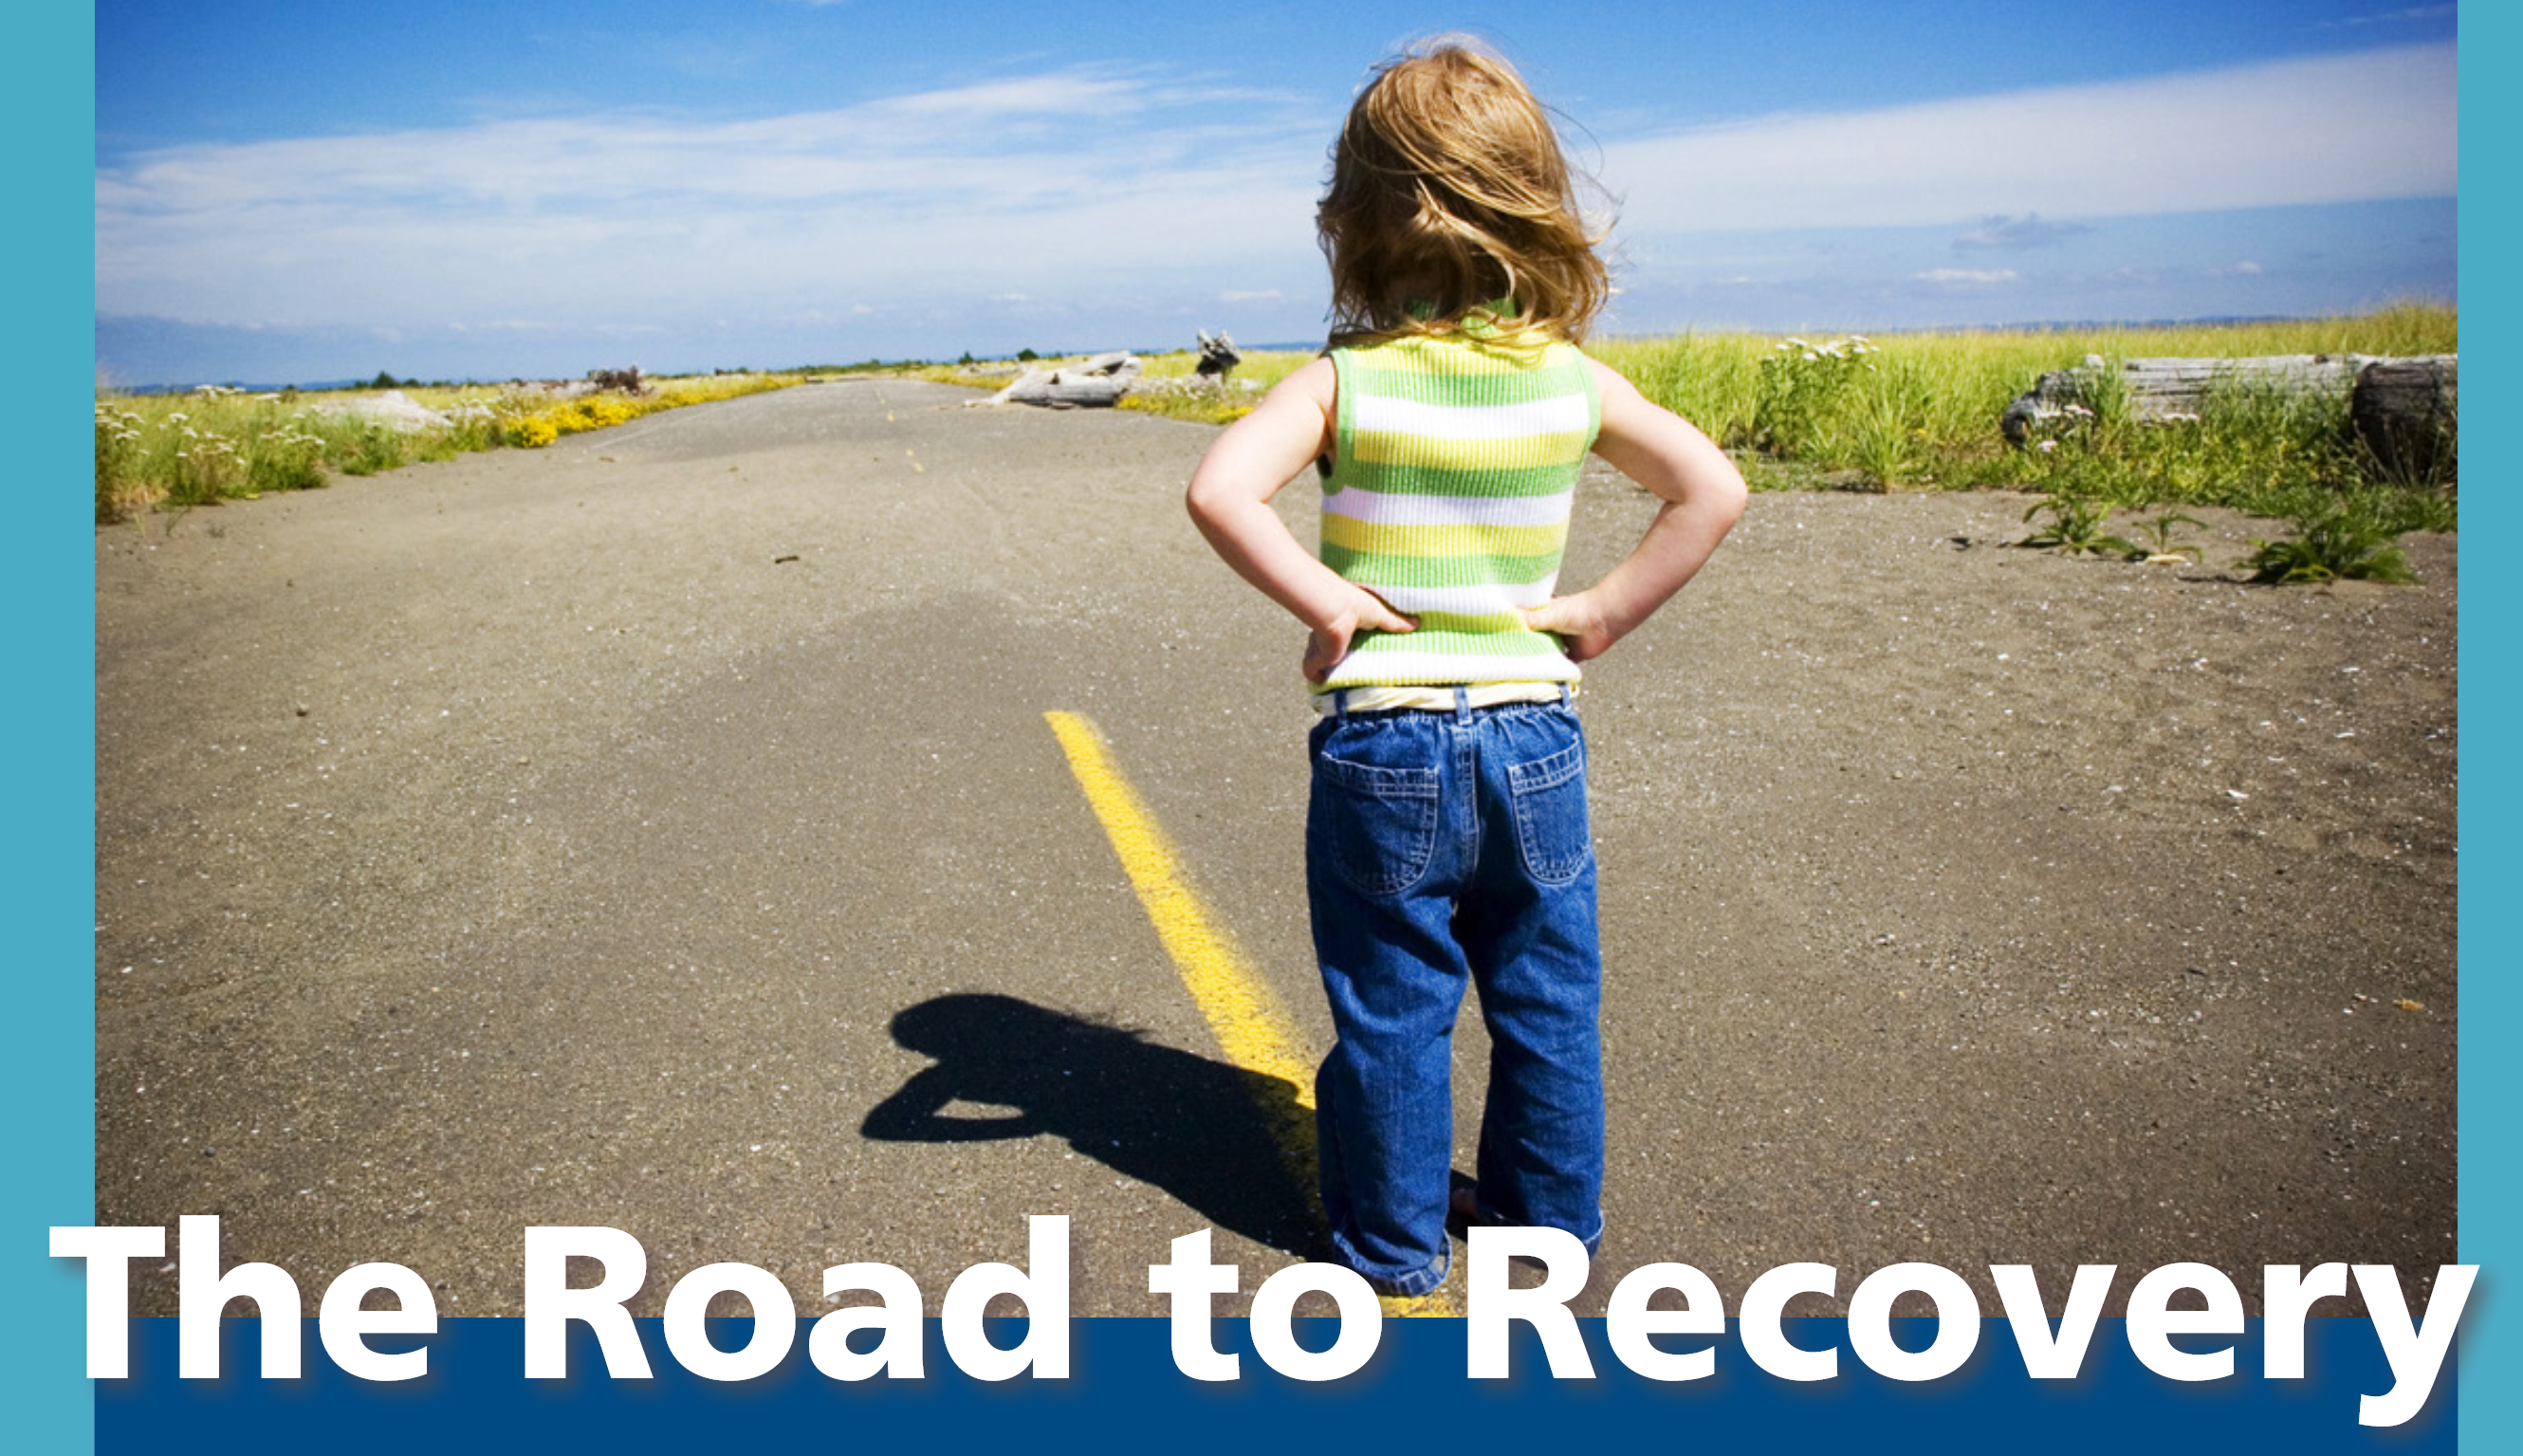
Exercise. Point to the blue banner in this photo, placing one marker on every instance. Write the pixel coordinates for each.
(1124, 1389)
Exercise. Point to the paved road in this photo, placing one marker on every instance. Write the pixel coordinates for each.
(662, 831)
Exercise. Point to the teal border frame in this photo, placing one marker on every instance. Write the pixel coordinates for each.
(2491, 1003)
(48, 1060)
(48, 1047)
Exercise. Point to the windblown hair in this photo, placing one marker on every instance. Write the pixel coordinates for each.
(1449, 194)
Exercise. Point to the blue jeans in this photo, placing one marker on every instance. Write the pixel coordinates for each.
(1444, 847)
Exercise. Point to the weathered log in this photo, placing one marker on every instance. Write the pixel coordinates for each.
(2407, 411)
(2402, 408)
(2048, 399)
(621, 381)
(2172, 390)
(1098, 382)
(1219, 356)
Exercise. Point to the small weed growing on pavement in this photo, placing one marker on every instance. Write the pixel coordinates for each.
(2076, 528)
(2338, 544)
(2156, 544)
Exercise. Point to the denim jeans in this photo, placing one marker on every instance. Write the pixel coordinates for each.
(1444, 847)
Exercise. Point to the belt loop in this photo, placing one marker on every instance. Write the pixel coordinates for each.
(1340, 705)
(1564, 694)
(1462, 703)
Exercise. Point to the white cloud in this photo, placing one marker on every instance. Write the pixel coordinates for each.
(1038, 185)
(2351, 127)
(1101, 192)
(2413, 13)
(2031, 230)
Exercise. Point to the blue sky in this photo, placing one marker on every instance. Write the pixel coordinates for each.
(297, 192)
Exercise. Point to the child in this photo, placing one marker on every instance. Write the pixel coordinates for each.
(1446, 839)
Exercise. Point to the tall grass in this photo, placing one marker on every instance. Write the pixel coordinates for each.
(1712, 380)
(182, 451)
(1922, 409)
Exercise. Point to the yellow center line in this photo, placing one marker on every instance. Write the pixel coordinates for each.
(1242, 1012)
(1239, 1005)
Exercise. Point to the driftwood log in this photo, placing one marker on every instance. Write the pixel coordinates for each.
(1097, 383)
(1219, 356)
(2406, 410)
(2158, 392)
(2403, 409)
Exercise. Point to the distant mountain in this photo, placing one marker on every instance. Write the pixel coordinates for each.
(2088, 325)
(250, 388)
(307, 386)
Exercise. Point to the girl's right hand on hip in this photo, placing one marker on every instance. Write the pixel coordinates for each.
(1330, 642)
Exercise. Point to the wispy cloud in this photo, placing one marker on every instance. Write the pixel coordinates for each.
(2404, 15)
(2351, 127)
(1037, 184)
(2031, 230)
(1111, 199)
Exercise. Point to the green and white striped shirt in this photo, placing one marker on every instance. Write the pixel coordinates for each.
(1454, 461)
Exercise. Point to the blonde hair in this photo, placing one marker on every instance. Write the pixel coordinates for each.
(1449, 194)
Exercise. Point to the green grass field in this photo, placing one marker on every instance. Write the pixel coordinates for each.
(1921, 411)
(1900, 412)
(198, 448)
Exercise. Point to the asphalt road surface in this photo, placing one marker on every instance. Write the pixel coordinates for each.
(662, 831)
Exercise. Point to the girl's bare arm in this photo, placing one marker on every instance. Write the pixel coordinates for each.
(1229, 499)
(1703, 494)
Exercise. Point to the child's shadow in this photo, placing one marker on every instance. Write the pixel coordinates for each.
(1201, 1130)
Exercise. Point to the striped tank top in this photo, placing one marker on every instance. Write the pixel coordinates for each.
(1454, 466)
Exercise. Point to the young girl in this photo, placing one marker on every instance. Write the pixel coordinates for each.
(1445, 839)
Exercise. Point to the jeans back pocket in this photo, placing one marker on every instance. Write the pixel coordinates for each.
(1375, 825)
(1550, 827)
